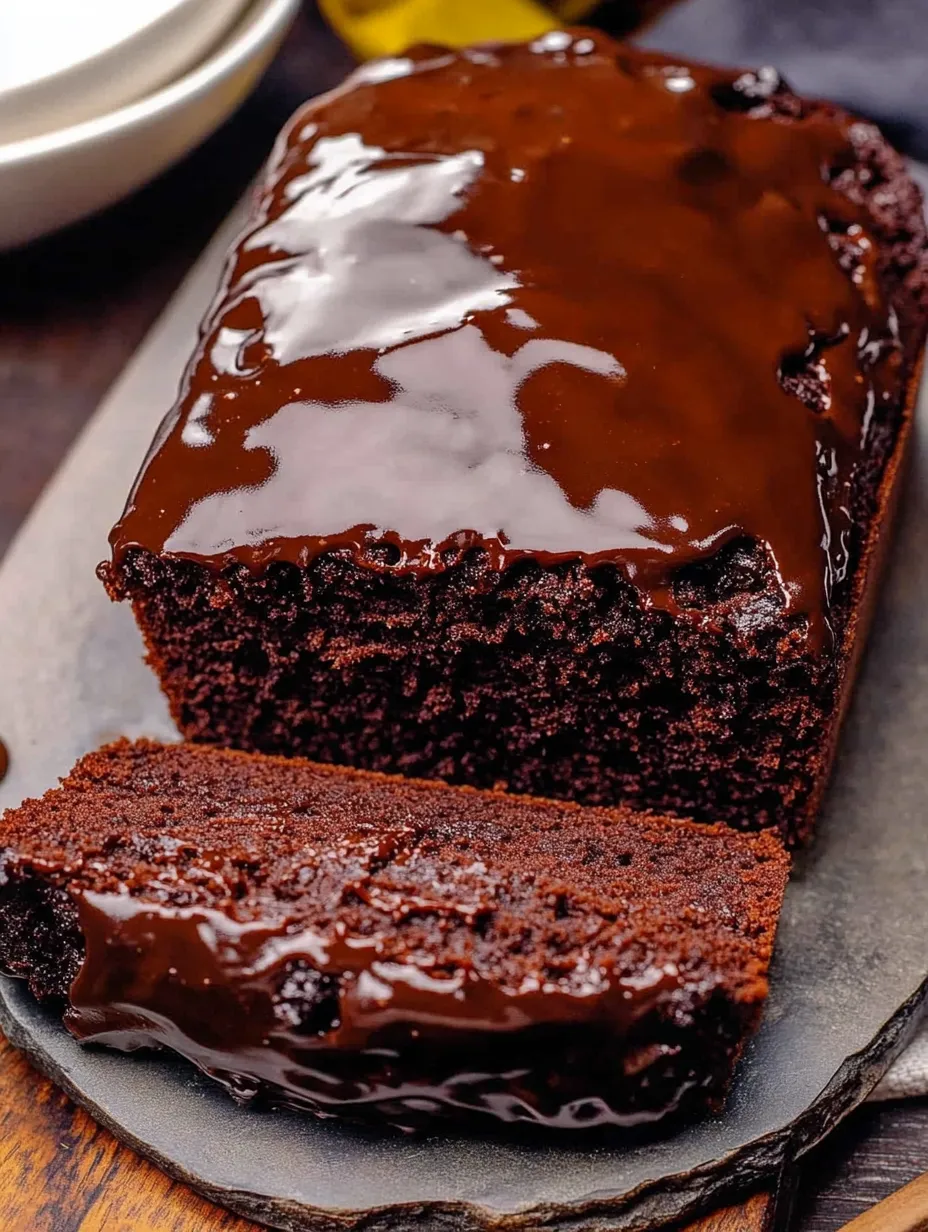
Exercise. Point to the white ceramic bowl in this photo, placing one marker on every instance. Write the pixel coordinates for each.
(62, 63)
(49, 181)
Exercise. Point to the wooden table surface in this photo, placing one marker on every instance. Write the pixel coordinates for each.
(72, 310)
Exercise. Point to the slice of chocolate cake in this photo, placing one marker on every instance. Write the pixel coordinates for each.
(384, 948)
(544, 432)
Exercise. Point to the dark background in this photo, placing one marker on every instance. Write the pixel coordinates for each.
(74, 307)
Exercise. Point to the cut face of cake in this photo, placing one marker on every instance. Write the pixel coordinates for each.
(543, 432)
(384, 948)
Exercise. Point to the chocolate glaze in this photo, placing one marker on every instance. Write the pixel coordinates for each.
(559, 300)
(382, 947)
(4, 761)
(207, 987)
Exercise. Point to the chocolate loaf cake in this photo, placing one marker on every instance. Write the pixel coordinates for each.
(370, 946)
(544, 433)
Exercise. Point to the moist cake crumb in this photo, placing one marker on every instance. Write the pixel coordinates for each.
(389, 949)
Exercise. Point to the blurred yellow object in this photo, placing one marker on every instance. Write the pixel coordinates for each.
(387, 27)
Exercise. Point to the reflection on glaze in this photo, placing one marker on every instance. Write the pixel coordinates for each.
(198, 982)
(535, 298)
(455, 411)
(364, 268)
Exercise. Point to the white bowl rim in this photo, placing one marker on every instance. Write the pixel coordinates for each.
(256, 24)
(101, 54)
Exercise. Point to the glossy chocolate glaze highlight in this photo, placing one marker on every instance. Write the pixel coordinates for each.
(561, 300)
(197, 982)
(387, 948)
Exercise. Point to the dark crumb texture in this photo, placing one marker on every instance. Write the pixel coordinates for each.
(555, 678)
(375, 947)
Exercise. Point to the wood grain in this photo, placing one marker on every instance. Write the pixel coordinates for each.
(753, 1216)
(59, 1172)
(72, 310)
(904, 1211)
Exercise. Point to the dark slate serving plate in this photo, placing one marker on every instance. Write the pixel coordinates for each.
(848, 982)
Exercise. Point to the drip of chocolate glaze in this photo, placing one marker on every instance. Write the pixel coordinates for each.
(209, 988)
(536, 301)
